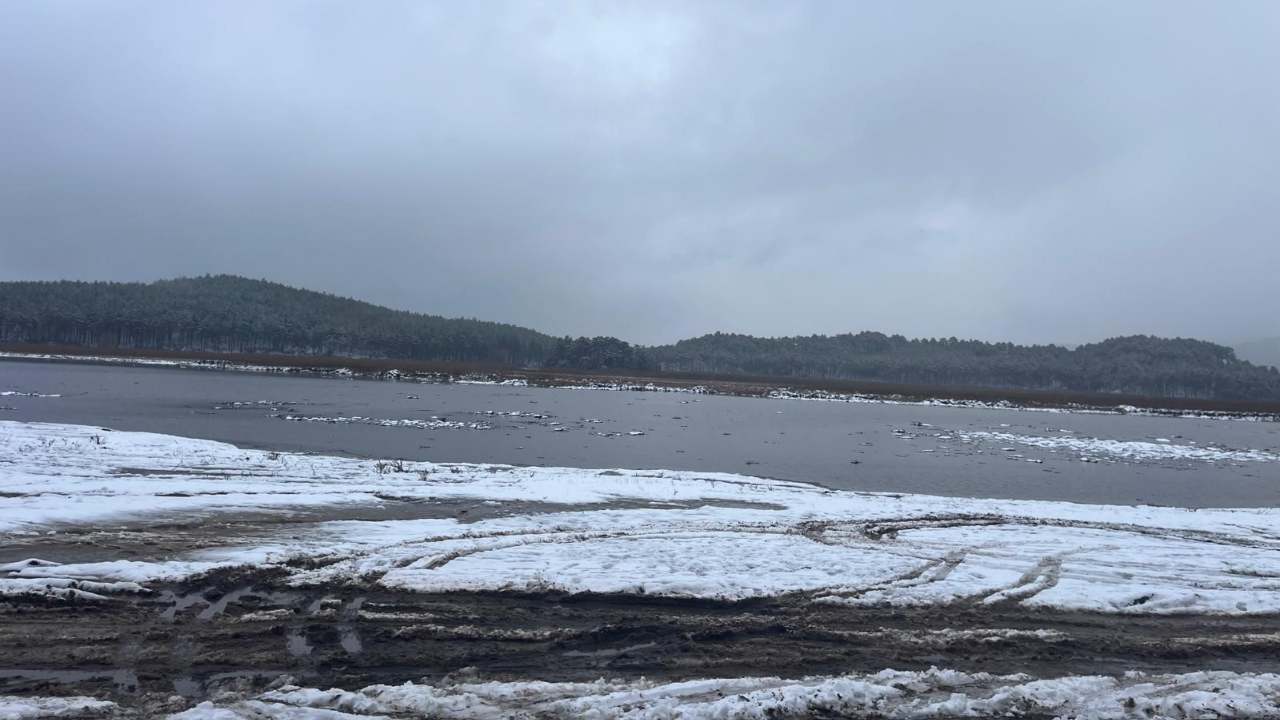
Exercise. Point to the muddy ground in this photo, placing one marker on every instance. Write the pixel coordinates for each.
(244, 629)
(241, 630)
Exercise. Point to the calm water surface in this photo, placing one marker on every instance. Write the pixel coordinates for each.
(875, 447)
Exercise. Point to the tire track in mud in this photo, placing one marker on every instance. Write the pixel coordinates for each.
(931, 571)
(355, 636)
(244, 627)
(521, 538)
(889, 528)
(1044, 574)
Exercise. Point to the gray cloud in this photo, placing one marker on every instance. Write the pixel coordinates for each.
(1034, 172)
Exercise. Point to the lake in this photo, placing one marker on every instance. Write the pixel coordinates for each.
(860, 446)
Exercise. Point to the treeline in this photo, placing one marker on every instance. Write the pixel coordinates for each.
(1142, 365)
(232, 314)
(225, 313)
(598, 353)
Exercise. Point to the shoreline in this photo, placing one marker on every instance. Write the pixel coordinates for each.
(772, 388)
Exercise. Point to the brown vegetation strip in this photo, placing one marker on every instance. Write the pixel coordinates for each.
(745, 386)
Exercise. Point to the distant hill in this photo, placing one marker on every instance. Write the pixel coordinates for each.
(1260, 352)
(1158, 367)
(225, 313)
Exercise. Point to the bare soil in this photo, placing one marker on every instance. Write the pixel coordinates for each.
(242, 629)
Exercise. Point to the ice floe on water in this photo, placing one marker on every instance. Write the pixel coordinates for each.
(636, 387)
(514, 414)
(509, 382)
(932, 693)
(1138, 450)
(494, 418)
(275, 406)
(685, 534)
(433, 423)
(1075, 408)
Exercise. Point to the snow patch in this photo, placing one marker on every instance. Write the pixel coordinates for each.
(30, 708)
(686, 534)
(894, 694)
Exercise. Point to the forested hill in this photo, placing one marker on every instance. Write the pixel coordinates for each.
(232, 314)
(1137, 364)
(225, 313)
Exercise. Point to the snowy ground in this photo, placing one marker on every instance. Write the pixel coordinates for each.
(681, 534)
(656, 534)
(28, 708)
(888, 694)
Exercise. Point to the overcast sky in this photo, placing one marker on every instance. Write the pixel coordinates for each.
(1030, 171)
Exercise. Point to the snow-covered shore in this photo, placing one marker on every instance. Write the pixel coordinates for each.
(683, 534)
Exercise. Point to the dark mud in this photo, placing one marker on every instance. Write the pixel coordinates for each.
(243, 630)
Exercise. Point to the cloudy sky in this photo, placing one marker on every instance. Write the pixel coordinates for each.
(1031, 171)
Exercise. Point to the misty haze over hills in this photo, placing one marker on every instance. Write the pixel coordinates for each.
(1260, 352)
(234, 314)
